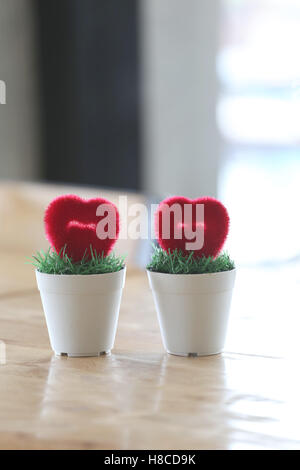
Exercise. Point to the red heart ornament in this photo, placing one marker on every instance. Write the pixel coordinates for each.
(72, 222)
(215, 225)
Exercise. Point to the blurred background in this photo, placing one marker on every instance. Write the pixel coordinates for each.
(161, 97)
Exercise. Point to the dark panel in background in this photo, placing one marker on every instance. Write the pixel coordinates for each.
(89, 91)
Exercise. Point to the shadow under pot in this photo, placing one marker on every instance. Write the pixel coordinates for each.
(193, 310)
(81, 311)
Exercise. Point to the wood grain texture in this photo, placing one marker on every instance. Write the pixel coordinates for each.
(138, 397)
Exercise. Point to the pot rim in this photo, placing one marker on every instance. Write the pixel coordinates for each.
(77, 276)
(219, 273)
(81, 283)
(192, 283)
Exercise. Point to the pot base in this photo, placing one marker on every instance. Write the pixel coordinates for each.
(193, 354)
(96, 354)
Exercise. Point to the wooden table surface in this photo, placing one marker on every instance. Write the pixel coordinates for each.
(138, 397)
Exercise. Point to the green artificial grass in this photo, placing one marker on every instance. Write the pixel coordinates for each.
(178, 263)
(52, 263)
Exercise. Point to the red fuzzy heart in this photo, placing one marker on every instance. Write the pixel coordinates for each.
(216, 225)
(72, 222)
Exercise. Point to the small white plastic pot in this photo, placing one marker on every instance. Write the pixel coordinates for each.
(193, 310)
(81, 311)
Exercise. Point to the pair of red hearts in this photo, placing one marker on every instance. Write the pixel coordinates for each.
(71, 222)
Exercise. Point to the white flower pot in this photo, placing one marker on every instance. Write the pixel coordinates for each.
(81, 311)
(193, 310)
